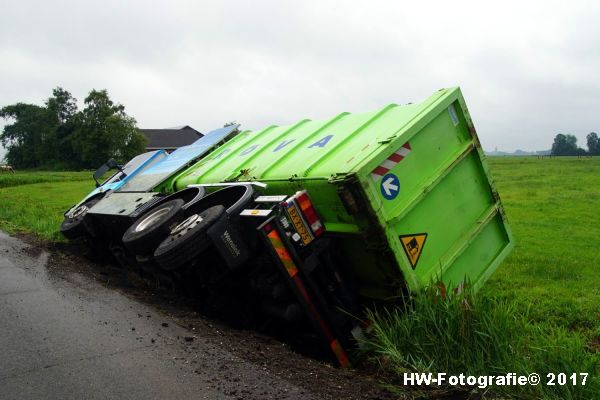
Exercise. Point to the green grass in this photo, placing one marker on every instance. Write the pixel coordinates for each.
(481, 336)
(553, 206)
(38, 207)
(540, 311)
(8, 179)
(477, 336)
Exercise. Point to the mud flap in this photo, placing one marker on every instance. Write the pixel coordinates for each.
(228, 241)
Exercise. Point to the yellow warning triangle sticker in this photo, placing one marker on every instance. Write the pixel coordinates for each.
(413, 246)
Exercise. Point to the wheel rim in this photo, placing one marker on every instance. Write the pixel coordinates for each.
(79, 211)
(151, 219)
(186, 225)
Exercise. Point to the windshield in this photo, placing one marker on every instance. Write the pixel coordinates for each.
(131, 166)
(177, 160)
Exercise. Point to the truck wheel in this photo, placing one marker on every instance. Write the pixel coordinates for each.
(233, 198)
(188, 239)
(73, 226)
(150, 229)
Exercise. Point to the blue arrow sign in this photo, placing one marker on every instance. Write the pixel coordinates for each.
(390, 186)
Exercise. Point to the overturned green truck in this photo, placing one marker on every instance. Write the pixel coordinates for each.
(313, 221)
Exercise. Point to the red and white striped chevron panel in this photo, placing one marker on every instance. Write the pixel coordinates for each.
(391, 162)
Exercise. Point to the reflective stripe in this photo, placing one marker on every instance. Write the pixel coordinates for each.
(282, 253)
(389, 164)
(403, 152)
(380, 171)
(395, 157)
(292, 270)
(339, 352)
(334, 344)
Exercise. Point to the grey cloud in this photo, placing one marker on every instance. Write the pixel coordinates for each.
(528, 71)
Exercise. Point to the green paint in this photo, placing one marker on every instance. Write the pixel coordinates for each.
(445, 190)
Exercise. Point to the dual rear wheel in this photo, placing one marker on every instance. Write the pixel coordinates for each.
(174, 234)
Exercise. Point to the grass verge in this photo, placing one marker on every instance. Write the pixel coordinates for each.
(38, 208)
(480, 335)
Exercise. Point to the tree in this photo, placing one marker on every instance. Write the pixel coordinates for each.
(593, 144)
(564, 145)
(38, 135)
(62, 107)
(104, 130)
(23, 139)
(57, 135)
(62, 104)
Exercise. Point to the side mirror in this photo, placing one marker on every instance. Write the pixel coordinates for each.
(113, 164)
(110, 164)
(100, 172)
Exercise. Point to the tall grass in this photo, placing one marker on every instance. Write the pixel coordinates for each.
(477, 335)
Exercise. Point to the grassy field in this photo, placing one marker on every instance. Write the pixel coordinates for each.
(35, 201)
(553, 206)
(8, 179)
(541, 307)
(540, 311)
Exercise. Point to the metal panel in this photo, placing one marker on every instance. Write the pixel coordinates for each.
(121, 204)
(177, 160)
(445, 202)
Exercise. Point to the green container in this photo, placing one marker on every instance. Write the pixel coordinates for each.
(404, 191)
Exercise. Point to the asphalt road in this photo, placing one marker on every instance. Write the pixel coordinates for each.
(76, 339)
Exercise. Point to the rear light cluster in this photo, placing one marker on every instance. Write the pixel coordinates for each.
(309, 212)
(303, 216)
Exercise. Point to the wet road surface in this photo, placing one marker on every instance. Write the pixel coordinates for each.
(76, 339)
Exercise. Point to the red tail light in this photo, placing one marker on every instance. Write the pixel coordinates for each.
(309, 212)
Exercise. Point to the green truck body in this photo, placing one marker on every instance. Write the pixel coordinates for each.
(404, 191)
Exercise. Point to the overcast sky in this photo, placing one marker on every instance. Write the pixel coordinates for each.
(528, 70)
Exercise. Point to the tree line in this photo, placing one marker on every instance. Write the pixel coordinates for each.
(566, 145)
(59, 136)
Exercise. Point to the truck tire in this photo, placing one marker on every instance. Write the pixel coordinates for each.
(73, 226)
(188, 239)
(150, 229)
(233, 198)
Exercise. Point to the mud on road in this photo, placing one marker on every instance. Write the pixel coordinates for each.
(228, 362)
